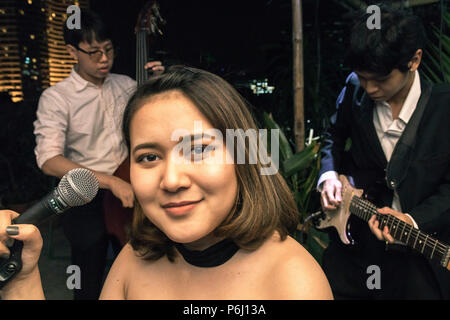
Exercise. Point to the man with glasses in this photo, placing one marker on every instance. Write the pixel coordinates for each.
(78, 125)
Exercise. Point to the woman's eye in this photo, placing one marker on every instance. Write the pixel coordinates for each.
(198, 149)
(147, 158)
(201, 150)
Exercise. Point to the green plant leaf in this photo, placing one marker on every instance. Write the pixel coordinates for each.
(300, 160)
(285, 147)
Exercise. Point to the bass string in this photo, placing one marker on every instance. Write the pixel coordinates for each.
(141, 47)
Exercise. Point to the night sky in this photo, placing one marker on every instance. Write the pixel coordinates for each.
(224, 33)
(239, 40)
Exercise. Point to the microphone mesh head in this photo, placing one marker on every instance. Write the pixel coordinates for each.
(78, 187)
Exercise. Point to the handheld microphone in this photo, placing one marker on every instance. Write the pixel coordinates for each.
(78, 187)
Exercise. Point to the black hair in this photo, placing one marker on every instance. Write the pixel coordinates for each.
(380, 51)
(92, 28)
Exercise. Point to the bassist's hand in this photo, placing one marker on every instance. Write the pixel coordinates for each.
(156, 67)
(331, 195)
(384, 234)
(122, 190)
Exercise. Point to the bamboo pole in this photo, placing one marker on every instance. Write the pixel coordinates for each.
(298, 79)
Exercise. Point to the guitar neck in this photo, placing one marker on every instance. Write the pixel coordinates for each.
(433, 249)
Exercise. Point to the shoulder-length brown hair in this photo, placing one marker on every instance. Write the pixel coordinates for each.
(264, 203)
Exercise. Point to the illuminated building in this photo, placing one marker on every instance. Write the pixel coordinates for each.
(261, 87)
(59, 62)
(32, 50)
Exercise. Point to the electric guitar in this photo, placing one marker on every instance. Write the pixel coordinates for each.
(353, 203)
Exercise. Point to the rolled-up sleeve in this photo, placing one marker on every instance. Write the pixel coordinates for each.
(50, 126)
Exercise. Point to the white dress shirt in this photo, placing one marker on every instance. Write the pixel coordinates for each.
(389, 130)
(82, 122)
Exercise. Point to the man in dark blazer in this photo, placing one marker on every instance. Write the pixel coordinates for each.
(391, 135)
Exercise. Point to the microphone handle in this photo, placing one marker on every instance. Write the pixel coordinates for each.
(11, 266)
(52, 203)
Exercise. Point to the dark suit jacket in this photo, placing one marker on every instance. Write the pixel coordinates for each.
(420, 165)
(419, 169)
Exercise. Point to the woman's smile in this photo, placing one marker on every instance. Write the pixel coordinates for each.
(180, 208)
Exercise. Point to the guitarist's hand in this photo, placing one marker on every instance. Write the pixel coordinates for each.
(331, 195)
(384, 234)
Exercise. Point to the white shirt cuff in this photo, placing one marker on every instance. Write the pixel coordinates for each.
(413, 221)
(325, 176)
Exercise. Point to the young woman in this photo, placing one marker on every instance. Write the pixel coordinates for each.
(204, 227)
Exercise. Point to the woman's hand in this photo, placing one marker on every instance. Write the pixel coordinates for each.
(28, 233)
(25, 284)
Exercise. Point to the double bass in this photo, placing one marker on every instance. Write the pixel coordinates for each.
(117, 217)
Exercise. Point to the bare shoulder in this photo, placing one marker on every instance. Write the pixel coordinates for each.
(295, 272)
(115, 286)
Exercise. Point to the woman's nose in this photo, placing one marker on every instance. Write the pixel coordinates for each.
(174, 176)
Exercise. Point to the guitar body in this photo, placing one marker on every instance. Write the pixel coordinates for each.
(117, 217)
(352, 203)
(339, 218)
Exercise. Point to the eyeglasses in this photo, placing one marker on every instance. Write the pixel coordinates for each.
(97, 55)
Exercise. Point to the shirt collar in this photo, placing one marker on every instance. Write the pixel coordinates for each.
(411, 100)
(80, 83)
(410, 103)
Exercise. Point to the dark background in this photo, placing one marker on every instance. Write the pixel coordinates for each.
(240, 40)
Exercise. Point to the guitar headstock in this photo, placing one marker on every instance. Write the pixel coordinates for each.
(149, 19)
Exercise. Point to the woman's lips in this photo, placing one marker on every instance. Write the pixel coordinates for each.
(180, 208)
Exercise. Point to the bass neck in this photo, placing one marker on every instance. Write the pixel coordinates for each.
(141, 57)
(432, 248)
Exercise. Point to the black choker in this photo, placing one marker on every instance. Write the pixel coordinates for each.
(213, 256)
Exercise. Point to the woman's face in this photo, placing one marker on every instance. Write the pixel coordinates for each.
(185, 199)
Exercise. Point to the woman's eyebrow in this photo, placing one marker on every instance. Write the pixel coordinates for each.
(146, 145)
(198, 136)
(155, 145)
(194, 137)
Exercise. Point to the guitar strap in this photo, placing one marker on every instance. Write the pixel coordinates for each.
(401, 156)
(364, 112)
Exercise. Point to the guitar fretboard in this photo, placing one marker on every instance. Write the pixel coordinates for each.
(402, 231)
